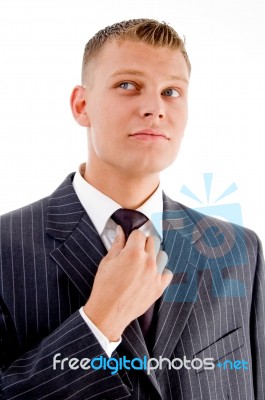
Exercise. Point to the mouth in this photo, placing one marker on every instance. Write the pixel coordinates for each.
(149, 134)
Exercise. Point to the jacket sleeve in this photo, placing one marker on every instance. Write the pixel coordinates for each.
(257, 327)
(41, 373)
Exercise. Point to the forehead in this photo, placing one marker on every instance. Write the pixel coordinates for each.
(117, 55)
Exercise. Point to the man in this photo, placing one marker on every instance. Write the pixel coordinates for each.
(78, 284)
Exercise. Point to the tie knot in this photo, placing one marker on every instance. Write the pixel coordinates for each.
(129, 220)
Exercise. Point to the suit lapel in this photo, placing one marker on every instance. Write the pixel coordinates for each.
(81, 248)
(179, 235)
(80, 255)
(133, 346)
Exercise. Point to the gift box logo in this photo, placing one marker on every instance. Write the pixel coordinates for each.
(216, 244)
(230, 212)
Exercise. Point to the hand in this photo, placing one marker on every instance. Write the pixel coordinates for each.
(127, 283)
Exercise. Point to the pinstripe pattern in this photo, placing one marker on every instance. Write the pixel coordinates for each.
(214, 307)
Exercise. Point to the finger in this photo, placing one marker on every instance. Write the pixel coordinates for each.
(157, 244)
(118, 244)
(161, 261)
(150, 246)
(166, 278)
(136, 239)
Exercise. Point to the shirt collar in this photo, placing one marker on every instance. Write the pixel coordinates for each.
(100, 207)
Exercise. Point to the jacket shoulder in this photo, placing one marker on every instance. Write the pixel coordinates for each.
(15, 219)
(207, 225)
(30, 216)
(219, 223)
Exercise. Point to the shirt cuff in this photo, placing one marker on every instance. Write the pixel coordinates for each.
(107, 346)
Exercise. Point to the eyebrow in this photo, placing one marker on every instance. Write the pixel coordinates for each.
(139, 73)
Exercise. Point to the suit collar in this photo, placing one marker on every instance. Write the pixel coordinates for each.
(64, 210)
(177, 217)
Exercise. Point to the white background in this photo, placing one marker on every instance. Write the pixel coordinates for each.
(41, 48)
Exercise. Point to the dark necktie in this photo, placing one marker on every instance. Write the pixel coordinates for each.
(130, 220)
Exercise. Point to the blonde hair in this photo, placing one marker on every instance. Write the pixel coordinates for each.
(150, 31)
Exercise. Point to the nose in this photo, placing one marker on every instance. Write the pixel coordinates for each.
(153, 107)
(153, 114)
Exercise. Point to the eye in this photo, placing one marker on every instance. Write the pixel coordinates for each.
(127, 86)
(171, 92)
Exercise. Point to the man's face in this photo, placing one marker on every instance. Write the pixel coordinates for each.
(136, 107)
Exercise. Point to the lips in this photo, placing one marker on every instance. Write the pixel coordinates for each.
(149, 133)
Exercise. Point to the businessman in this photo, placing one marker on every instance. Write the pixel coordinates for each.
(84, 285)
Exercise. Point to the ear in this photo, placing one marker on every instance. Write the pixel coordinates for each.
(78, 106)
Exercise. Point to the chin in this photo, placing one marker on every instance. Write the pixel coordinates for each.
(160, 165)
(145, 165)
(150, 169)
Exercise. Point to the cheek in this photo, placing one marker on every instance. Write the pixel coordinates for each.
(103, 140)
(186, 116)
(180, 118)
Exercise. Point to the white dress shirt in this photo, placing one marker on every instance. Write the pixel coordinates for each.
(99, 208)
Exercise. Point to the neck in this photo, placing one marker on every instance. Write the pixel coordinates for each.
(128, 191)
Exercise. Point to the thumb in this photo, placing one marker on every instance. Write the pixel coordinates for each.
(118, 243)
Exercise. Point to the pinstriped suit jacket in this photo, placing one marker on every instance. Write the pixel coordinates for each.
(214, 307)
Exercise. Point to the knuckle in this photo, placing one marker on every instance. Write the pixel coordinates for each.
(135, 253)
(150, 262)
